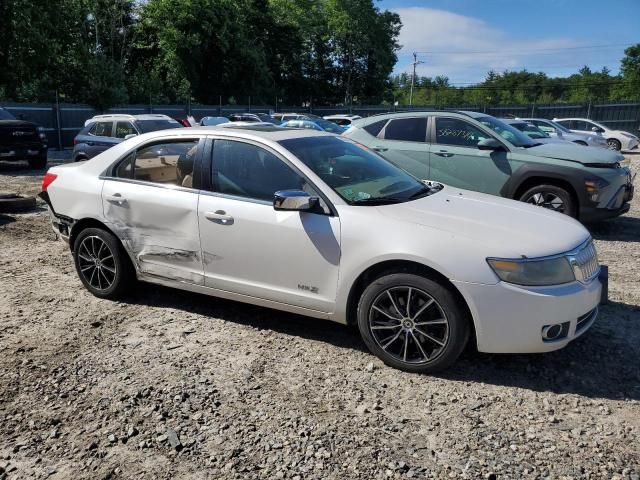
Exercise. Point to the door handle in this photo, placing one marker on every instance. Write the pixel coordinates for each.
(116, 199)
(91, 144)
(380, 149)
(444, 153)
(220, 217)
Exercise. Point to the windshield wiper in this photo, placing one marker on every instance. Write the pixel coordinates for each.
(378, 201)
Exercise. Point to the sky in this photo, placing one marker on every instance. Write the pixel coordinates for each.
(464, 39)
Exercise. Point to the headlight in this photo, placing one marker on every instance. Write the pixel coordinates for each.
(551, 271)
(629, 135)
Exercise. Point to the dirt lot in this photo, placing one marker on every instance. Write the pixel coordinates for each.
(176, 385)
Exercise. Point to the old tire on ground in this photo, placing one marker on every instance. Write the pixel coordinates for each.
(102, 264)
(14, 203)
(551, 197)
(614, 144)
(39, 162)
(412, 323)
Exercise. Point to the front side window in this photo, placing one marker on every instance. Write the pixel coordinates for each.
(246, 170)
(147, 126)
(512, 135)
(354, 172)
(453, 131)
(101, 129)
(167, 163)
(124, 128)
(406, 129)
(531, 130)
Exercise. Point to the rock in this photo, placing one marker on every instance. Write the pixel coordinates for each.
(174, 440)
(370, 367)
(132, 431)
(112, 438)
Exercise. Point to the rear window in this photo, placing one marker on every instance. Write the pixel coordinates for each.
(375, 127)
(407, 129)
(147, 126)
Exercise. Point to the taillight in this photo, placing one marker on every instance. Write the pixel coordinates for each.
(47, 180)
(75, 141)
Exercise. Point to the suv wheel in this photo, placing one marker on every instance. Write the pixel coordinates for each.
(552, 197)
(102, 264)
(412, 323)
(614, 144)
(39, 162)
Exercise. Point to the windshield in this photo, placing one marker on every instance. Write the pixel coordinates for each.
(531, 130)
(147, 126)
(4, 115)
(328, 126)
(507, 132)
(560, 127)
(354, 172)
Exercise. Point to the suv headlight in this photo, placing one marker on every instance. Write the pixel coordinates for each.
(533, 272)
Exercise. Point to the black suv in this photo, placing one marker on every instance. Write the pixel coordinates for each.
(20, 140)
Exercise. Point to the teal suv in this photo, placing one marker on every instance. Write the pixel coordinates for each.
(478, 152)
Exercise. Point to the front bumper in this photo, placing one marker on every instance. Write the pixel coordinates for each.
(22, 152)
(612, 204)
(510, 318)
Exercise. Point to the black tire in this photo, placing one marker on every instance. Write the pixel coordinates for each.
(546, 196)
(14, 203)
(614, 144)
(580, 142)
(86, 248)
(39, 162)
(453, 335)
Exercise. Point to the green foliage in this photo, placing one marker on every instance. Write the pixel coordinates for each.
(110, 51)
(527, 87)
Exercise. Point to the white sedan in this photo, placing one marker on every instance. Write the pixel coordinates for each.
(316, 224)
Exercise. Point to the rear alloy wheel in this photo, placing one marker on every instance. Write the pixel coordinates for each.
(614, 144)
(412, 323)
(102, 264)
(551, 197)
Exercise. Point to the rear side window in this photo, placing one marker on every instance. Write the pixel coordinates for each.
(169, 163)
(407, 129)
(375, 127)
(101, 129)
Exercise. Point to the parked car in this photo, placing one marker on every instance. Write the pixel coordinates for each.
(22, 140)
(283, 117)
(253, 117)
(476, 151)
(556, 130)
(532, 131)
(343, 120)
(616, 139)
(211, 121)
(104, 131)
(313, 223)
(320, 125)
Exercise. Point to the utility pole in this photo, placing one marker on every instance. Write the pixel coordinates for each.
(413, 77)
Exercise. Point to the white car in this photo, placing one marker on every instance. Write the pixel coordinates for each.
(319, 225)
(616, 139)
(344, 120)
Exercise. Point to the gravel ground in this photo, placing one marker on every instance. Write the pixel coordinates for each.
(176, 385)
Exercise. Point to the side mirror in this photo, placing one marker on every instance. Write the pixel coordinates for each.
(490, 144)
(597, 129)
(131, 135)
(294, 200)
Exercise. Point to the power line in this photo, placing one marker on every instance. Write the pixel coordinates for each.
(524, 52)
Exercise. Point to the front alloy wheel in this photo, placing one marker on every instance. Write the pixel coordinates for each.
(412, 323)
(551, 197)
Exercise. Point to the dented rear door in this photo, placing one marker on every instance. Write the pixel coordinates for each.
(155, 214)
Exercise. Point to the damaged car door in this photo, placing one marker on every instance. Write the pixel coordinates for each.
(150, 202)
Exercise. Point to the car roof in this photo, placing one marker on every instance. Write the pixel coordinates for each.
(267, 132)
(414, 113)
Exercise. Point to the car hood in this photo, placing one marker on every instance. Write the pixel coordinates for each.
(506, 228)
(16, 123)
(575, 153)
